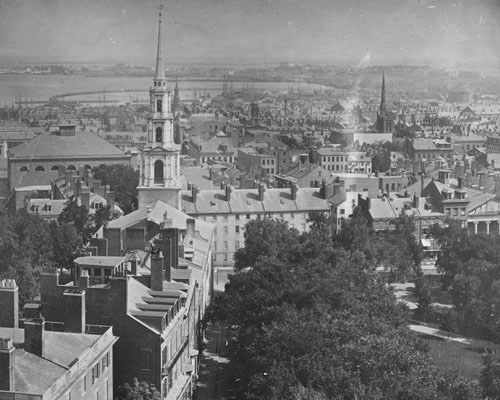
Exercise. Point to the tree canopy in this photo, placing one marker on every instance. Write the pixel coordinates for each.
(122, 180)
(316, 321)
(29, 244)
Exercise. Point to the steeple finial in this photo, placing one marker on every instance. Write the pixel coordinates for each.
(383, 110)
(160, 71)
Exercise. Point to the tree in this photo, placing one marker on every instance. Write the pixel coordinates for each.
(138, 391)
(122, 180)
(424, 298)
(381, 161)
(79, 217)
(322, 324)
(66, 244)
(490, 377)
(265, 239)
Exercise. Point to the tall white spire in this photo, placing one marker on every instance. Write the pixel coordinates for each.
(160, 71)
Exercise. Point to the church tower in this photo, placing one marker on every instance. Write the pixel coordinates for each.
(384, 121)
(160, 174)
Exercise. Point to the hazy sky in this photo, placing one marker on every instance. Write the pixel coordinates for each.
(434, 32)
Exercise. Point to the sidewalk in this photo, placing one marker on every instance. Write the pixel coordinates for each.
(453, 337)
(216, 375)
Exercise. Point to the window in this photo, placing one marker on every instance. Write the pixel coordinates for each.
(159, 105)
(225, 230)
(248, 216)
(224, 257)
(224, 245)
(158, 167)
(146, 359)
(236, 229)
(84, 384)
(24, 169)
(237, 217)
(96, 372)
(159, 134)
(236, 244)
(225, 217)
(214, 218)
(39, 168)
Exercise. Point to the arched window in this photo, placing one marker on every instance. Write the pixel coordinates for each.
(24, 169)
(159, 105)
(71, 168)
(159, 134)
(39, 168)
(54, 168)
(88, 167)
(158, 171)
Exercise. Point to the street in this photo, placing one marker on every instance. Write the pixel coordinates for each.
(216, 376)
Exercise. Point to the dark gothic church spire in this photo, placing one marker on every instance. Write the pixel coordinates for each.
(383, 109)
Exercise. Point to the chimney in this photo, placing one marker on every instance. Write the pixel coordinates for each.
(294, 189)
(110, 202)
(33, 335)
(422, 177)
(416, 201)
(491, 182)
(84, 280)
(9, 304)
(74, 307)
(229, 190)
(85, 198)
(190, 227)
(90, 180)
(194, 193)
(7, 364)
(134, 260)
(170, 249)
(157, 272)
(78, 187)
(482, 180)
(328, 189)
(262, 190)
(336, 188)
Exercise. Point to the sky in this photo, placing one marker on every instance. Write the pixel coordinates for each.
(441, 33)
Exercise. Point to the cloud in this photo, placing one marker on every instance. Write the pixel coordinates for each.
(442, 31)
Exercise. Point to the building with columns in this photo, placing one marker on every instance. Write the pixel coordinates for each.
(476, 207)
(159, 165)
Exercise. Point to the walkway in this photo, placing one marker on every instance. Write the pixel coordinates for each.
(453, 337)
(216, 371)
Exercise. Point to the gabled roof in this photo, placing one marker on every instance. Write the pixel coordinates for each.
(246, 201)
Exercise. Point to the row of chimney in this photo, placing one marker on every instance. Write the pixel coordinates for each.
(327, 190)
(82, 183)
(34, 326)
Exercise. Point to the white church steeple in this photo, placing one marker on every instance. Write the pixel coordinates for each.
(160, 175)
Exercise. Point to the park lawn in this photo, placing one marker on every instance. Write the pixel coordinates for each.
(446, 354)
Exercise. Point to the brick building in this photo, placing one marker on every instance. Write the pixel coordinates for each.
(149, 276)
(37, 363)
(68, 147)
